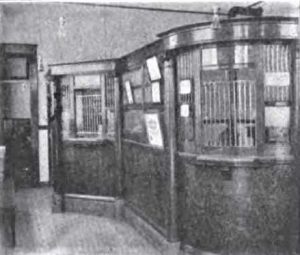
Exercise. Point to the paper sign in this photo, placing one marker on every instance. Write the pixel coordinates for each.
(129, 92)
(84, 81)
(209, 57)
(185, 110)
(277, 116)
(288, 30)
(153, 129)
(153, 68)
(185, 87)
(277, 79)
(155, 92)
(241, 54)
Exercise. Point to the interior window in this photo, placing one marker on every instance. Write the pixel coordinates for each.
(88, 114)
(277, 81)
(228, 101)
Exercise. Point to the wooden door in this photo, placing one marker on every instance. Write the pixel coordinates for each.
(19, 88)
(19, 154)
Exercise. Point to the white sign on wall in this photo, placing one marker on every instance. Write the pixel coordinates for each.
(277, 116)
(155, 92)
(185, 110)
(277, 79)
(153, 129)
(209, 57)
(129, 92)
(185, 87)
(153, 69)
(240, 54)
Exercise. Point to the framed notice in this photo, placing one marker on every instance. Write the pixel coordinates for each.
(209, 57)
(153, 69)
(184, 110)
(185, 87)
(277, 79)
(153, 129)
(129, 92)
(155, 92)
(240, 54)
(277, 116)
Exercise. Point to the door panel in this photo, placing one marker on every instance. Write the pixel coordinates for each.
(19, 156)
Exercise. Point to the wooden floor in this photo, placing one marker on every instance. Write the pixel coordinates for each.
(39, 232)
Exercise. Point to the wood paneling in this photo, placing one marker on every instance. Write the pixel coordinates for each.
(89, 168)
(239, 210)
(19, 155)
(188, 68)
(147, 183)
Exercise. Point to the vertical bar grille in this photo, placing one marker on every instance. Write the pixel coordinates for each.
(88, 113)
(109, 92)
(228, 113)
(276, 60)
(110, 104)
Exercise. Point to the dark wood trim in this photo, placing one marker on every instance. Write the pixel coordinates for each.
(103, 80)
(83, 68)
(33, 80)
(119, 174)
(260, 104)
(20, 48)
(221, 161)
(85, 62)
(2, 99)
(203, 24)
(60, 174)
(138, 57)
(203, 33)
(43, 127)
(82, 142)
(170, 106)
(294, 117)
(146, 146)
(44, 184)
(198, 102)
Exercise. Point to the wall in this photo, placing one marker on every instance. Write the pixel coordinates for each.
(98, 32)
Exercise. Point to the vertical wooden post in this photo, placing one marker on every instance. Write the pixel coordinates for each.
(103, 81)
(171, 127)
(296, 151)
(197, 56)
(2, 94)
(260, 105)
(119, 177)
(34, 102)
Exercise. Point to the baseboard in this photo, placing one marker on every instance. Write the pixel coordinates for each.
(88, 204)
(57, 203)
(44, 184)
(190, 250)
(150, 233)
